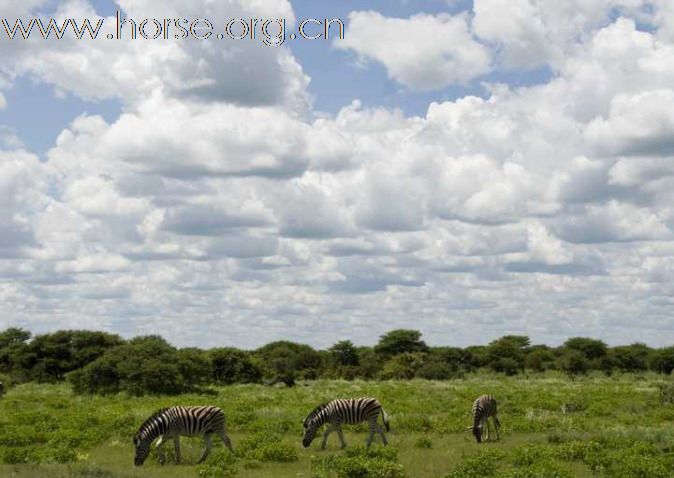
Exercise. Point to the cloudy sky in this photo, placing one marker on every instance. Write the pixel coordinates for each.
(466, 168)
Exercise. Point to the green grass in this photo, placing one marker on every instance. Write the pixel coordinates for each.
(593, 426)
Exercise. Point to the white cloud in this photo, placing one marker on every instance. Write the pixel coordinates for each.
(639, 124)
(423, 52)
(544, 210)
(135, 69)
(532, 33)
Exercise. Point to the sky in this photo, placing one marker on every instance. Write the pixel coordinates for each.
(469, 169)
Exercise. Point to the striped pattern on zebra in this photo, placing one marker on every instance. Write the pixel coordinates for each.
(170, 423)
(483, 408)
(349, 411)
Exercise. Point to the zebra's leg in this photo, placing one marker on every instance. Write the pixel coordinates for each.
(486, 424)
(176, 444)
(497, 425)
(325, 436)
(373, 425)
(341, 436)
(383, 437)
(225, 439)
(160, 451)
(208, 441)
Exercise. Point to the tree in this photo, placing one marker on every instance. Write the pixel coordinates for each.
(478, 356)
(573, 363)
(590, 348)
(231, 365)
(435, 369)
(630, 358)
(194, 366)
(13, 335)
(662, 360)
(403, 366)
(539, 358)
(400, 341)
(61, 352)
(370, 362)
(506, 354)
(344, 354)
(146, 365)
(284, 361)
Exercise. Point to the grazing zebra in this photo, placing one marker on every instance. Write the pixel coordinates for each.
(175, 421)
(350, 411)
(483, 408)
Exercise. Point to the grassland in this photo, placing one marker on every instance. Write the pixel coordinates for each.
(552, 427)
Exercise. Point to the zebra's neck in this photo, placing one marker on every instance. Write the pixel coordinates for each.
(322, 416)
(155, 427)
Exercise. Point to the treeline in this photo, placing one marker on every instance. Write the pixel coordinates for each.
(98, 362)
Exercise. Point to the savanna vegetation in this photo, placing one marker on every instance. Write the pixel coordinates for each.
(74, 400)
(101, 363)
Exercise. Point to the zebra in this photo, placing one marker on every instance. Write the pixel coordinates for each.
(2, 389)
(175, 421)
(483, 408)
(350, 411)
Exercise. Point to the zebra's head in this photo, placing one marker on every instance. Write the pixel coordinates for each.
(142, 449)
(312, 423)
(477, 431)
(310, 428)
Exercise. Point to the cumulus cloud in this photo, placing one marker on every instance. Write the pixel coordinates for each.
(423, 52)
(532, 33)
(639, 124)
(544, 210)
(240, 72)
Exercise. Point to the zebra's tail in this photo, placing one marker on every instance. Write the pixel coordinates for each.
(384, 418)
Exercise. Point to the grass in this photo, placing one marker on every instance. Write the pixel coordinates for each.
(594, 426)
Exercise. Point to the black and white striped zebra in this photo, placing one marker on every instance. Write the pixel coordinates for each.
(170, 423)
(349, 411)
(483, 408)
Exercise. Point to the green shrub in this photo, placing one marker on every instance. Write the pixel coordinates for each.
(542, 469)
(478, 465)
(357, 462)
(91, 472)
(666, 393)
(13, 456)
(266, 447)
(423, 442)
(222, 465)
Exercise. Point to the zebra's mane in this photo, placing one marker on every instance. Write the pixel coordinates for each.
(315, 412)
(150, 418)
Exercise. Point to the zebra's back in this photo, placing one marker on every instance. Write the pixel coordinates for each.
(354, 410)
(191, 421)
(484, 406)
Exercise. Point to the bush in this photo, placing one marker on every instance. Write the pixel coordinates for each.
(478, 465)
(573, 362)
(233, 366)
(666, 393)
(146, 365)
(357, 462)
(423, 442)
(265, 447)
(543, 469)
(403, 366)
(222, 465)
(436, 370)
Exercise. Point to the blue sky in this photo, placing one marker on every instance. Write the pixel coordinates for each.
(471, 169)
